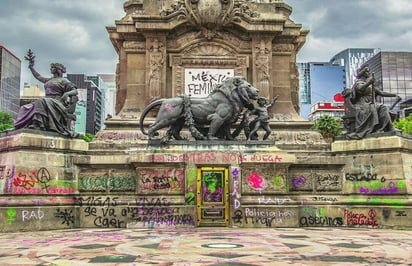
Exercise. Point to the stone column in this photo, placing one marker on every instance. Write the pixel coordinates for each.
(283, 61)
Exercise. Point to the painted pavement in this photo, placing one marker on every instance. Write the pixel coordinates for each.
(208, 246)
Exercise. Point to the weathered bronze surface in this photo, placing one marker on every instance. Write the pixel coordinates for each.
(218, 111)
(55, 111)
(363, 115)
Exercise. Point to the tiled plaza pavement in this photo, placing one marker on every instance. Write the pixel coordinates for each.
(208, 246)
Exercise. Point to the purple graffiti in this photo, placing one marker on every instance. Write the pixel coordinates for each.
(391, 190)
(298, 181)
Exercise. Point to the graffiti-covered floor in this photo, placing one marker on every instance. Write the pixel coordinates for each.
(208, 246)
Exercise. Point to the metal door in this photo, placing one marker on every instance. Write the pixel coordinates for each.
(212, 196)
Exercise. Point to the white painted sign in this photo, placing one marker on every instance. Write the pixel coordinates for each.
(201, 82)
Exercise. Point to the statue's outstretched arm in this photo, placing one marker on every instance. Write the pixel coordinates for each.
(30, 57)
(37, 75)
(385, 93)
(272, 102)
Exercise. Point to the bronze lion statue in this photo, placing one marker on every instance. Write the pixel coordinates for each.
(212, 115)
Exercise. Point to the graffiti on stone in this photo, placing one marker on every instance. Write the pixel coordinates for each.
(258, 179)
(161, 180)
(66, 216)
(262, 217)
(107, 183)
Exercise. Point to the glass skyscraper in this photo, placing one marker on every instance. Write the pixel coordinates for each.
(393, 73)
(318, 81)
(10, 71)
(90, 105)
(352, 59)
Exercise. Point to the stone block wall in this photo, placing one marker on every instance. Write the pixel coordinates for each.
(65, 185)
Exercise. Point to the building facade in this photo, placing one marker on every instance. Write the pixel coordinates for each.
(352, 59)
(89, 107)
(333, 108)
(110, 94)
(319, 82)
(10, 71)
(393, 73)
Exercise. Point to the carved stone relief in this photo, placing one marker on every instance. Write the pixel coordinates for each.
(134, 45)
(209, 15)
(155, 74)
(262, 67)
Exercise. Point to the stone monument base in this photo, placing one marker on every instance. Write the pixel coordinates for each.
(48, 182)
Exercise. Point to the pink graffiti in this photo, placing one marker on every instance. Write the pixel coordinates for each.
(353, 218)
(256, 181)
(17, 190)
(26, 181)
(168, 107)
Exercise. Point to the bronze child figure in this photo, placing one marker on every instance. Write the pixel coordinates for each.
(262, 118)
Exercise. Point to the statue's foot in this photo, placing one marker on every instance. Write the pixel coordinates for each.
(395, 130)
(35, 127)
(210, 137)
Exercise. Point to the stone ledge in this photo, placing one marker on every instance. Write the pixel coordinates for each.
(372, 143)
(40, 140)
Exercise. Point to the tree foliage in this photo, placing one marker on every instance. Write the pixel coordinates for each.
(88, 137)
(328, 126)
(404, 124)
(6, 122)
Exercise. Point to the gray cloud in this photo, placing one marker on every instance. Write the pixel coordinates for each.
(73, 32)
(336, 25)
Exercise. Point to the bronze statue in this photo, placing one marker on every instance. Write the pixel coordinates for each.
(218, 111)
(55, 111)
(262, 118)
(363, 115)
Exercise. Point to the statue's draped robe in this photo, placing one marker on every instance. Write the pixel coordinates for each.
(370, 117)
(48, 113)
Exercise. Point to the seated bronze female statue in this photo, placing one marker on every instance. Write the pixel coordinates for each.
(55, 111)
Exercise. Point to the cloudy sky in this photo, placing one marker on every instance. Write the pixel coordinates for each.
(73, 31)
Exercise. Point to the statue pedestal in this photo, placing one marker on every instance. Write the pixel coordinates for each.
(125, 182)
(38, 181)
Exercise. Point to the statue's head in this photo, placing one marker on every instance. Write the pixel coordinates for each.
(261, 101)
(58, 66)
(363, 72)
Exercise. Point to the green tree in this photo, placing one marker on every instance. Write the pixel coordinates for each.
(404, 124)
(328, 126)
(6, 122)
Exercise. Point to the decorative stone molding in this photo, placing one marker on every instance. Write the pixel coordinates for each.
(134, 45)
(202, 49)
(283, 47)
(210, 15)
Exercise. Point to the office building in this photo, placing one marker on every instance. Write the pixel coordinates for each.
(333, 108)
(319, 82)
(110, 94)
(10, 71)
(352, 59)
(393, 73)
(89, 106)
(100, 98)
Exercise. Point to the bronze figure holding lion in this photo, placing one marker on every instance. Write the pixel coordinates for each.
(214, 113)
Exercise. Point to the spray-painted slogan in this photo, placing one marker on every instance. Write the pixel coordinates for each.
(201, 82)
